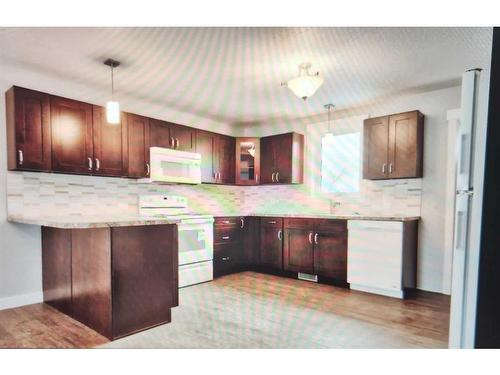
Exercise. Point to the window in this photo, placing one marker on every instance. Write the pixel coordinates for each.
(340, 163)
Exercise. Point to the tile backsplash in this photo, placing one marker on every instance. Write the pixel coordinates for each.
(39, 194)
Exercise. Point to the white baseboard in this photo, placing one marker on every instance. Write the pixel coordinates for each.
(384, 292)
(20, 300)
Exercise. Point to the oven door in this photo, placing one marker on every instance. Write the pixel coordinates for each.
(195, 241)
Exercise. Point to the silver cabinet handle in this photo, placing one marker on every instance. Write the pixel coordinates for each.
(225, 237)
(176, 142)
(172, 142)
(21, 157)
(220, 176)
(226, 222)
(242, 222)
(271, 222)
(280, 235)
(97, 164)
(147, 169)
(316, 238)
(256, 178)
(90, 163)
(311, 237)
(272, 176)
(383, 168)
(225, 258)
(277, 177)
(390, 167)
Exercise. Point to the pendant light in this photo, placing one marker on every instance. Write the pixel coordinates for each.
(112, 106)
(306, 84)
(329, 108)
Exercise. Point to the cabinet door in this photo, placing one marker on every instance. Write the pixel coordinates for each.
(375, 149)
(247, 158)
(144, 269)
(251, 239)
(28, 130)
(205, 145)
(298, 250)
(138, 145)
(268, 158)
(271, 246)
(225, 159)
(330, 254)
(110, 144)
(184, 138)
(161, 134)
(405, 145)
(72, 144)
(282, 145)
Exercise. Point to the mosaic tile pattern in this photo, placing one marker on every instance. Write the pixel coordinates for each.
(36, 194)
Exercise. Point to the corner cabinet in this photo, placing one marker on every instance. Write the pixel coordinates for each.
(247, 161)
(393, 146)
(282, 159)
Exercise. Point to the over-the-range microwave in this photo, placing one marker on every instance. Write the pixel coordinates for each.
(173, 166)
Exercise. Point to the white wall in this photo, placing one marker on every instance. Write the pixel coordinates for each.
(20, 245)
(434, 105)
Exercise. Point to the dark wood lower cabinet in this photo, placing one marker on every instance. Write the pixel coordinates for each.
(229, 253)
(116, 280)
(330, 255)
(298, 250)
(271, 243)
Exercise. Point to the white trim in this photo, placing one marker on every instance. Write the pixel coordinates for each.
(384, 292)
(453, 118)
(20, 300)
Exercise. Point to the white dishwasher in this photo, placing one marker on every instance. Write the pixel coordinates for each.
(376, 257)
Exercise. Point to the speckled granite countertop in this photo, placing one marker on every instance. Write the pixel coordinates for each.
(90, 221)
(332, 216)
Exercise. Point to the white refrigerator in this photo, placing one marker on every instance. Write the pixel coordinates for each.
(470, 157)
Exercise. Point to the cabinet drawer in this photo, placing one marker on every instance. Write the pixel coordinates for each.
(271, 221)
(226, 235)
(227, 259)
(228, 221)
(329, 225)
(299, 223)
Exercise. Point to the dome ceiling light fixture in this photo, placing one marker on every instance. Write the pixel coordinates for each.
(306, 84)
(112, 106)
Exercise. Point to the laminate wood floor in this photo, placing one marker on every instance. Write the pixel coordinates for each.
(253, 310)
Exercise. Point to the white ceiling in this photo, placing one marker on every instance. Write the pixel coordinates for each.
(234, 74)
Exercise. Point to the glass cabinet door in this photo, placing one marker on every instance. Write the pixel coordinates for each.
(247, 161)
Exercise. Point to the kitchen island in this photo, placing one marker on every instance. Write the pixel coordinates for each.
(118, 276)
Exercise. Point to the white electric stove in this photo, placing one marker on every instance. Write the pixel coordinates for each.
(195, 236)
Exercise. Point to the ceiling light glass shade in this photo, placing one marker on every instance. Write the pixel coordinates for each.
(113, 112)
(305, 86)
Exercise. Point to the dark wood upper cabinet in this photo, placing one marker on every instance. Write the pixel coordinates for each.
(184, 137)
(375, 149)
(225, 150)
(205, 145)
(138, 145)
(271, 243)
(28, 130)
(393, 146)
(247, 157)
(406, 135)
(72, 144)
(110, 144)
(160, 134)
(282, 159)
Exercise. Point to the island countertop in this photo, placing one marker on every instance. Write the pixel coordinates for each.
(84, 221)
